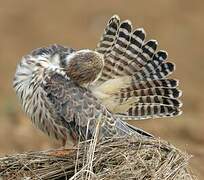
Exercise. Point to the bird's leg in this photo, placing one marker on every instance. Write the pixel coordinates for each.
(74, 139)
(64, 140)
(63, 151)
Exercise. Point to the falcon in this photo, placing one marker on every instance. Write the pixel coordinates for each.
(72, 94)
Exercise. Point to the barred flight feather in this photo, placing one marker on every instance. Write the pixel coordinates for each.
(166, 92)
(147, 111)
(108, 36)
(129, 55)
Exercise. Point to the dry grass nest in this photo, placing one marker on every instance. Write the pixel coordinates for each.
(116, 158)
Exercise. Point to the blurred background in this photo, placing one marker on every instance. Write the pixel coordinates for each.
(177, 25)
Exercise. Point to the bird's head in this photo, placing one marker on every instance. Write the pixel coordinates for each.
(84, 66)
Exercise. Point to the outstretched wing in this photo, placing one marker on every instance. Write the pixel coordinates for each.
(134, 83)
(80, 111)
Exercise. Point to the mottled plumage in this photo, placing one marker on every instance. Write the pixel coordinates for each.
(67, 93)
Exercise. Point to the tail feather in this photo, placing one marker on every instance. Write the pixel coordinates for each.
(108, 36)
(151, 83)
(160, 91)
(164, 70)
(156, 68)
(152, 65)
(147, 111)
(144, 54)
(134, 47)
(119, 48)
(159, 100)
(134, 80)
(114, 58)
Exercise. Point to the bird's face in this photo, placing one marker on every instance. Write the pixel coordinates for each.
(84, 66)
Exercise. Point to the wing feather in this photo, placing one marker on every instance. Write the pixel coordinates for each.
(81, 112)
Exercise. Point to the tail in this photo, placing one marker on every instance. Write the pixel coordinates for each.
(134, 83)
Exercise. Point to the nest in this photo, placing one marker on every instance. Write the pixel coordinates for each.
(116, 158)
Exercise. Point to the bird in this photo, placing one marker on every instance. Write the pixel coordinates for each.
(71, 94)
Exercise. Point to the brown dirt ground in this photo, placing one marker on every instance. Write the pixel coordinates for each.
(177, 25)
